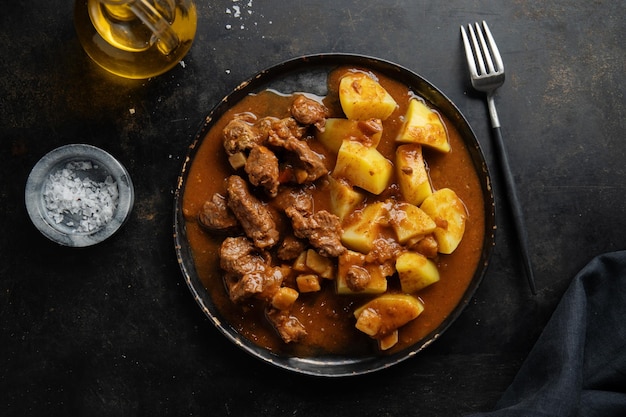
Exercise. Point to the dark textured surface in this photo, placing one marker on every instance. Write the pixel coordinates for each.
(112, 330)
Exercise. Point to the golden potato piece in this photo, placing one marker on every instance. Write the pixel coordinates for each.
(343, 198)
(410, 222)
(411, 173)
(388, 341)
(416, 272)
(449, 214)
(424, 126)
(368, 132)
(308, 283)
(284, 298)
(363, 167)
(319, 264)
(300, 263)
(386, 313)
(364, 229)
(363, 98)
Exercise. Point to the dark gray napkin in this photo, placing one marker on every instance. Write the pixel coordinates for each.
(578, 365)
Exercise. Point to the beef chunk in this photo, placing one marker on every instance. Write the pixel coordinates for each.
(254, 217)
(262, 169)
(427, 246)
(369, 128)
(290, 248)
(312, 162)
(384, 253)
(322, 229)
(239, 256)
(261, 284)
(248, 270)
(357, 278)
(383, 250)
(297, 198)
(240, 136)
(309, 112)
(288, 326)
(215, 216)
(287, 134)
(280, 128)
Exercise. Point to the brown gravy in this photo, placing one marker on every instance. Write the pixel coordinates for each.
(328, 317)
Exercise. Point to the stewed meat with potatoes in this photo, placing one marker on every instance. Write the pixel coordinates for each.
(266, 224)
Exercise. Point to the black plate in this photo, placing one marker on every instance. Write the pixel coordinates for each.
(309, 74)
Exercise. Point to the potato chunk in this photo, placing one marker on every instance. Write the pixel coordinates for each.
(449, 214)
(284, 298)
(416, 272)
(363, 167)
(388, 341)
(300, 263)
(308, 283)
(423, 125)
(363, 98)
(359, 235)
(411, 173)
(319, 264)
(367, 132)
(386, 313)
(410, 222)
(343, 198)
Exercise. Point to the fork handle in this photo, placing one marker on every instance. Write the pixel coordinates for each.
(516, 207)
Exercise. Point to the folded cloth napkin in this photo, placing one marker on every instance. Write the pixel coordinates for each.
(578, 365)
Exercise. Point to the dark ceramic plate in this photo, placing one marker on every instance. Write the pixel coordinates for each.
(309, 74)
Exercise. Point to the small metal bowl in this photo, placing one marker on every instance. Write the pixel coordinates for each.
(93, 167)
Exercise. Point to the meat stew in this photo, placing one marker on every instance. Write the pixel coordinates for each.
(324, 321)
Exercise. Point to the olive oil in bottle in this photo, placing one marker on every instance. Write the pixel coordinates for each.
(136, 38)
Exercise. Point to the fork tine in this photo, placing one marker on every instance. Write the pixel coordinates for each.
(468, 53)
(477, 52)
(499, 65)
(485, 51)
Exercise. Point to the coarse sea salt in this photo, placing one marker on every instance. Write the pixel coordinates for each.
(72, 198)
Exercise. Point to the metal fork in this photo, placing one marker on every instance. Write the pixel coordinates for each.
(487, 74)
